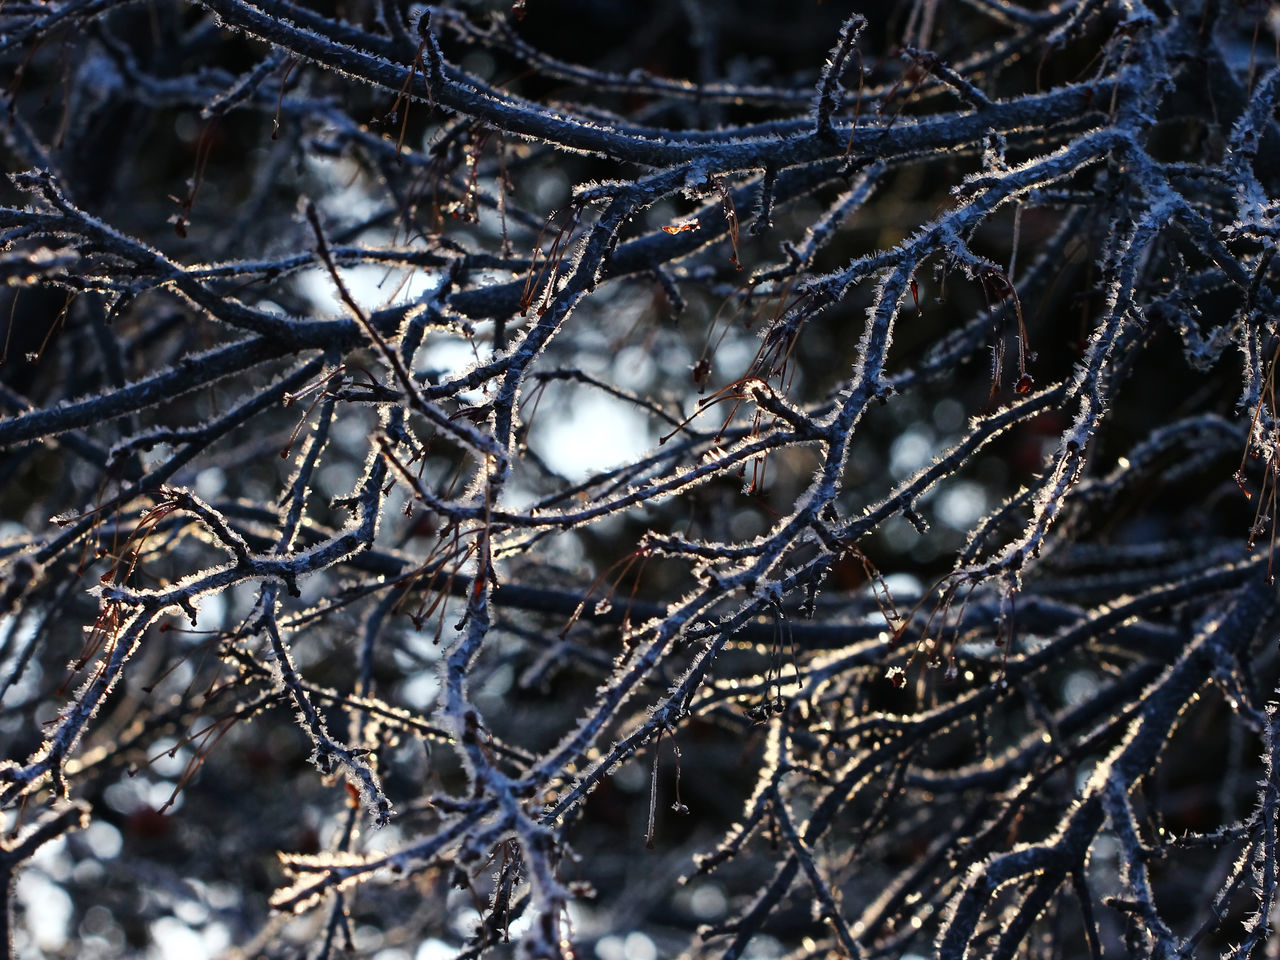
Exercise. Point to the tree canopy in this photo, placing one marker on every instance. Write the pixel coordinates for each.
(566, 479)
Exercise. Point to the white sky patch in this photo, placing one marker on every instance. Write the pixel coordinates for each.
(164, 765)
(372, 286)
(708, 901)
(733, 356)
(903, 584)
(211, 613)
(170, 937)
(51, 859)
(419, 692)
(634, 946)
(910, 451)
(589, 433)
(347, 199)
(210, 483)
(446, 355)
(47, 909)
(103, 839)
(1079, 687)
(347, 195)
(962, 505)
(435, 950)
(634, 368)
